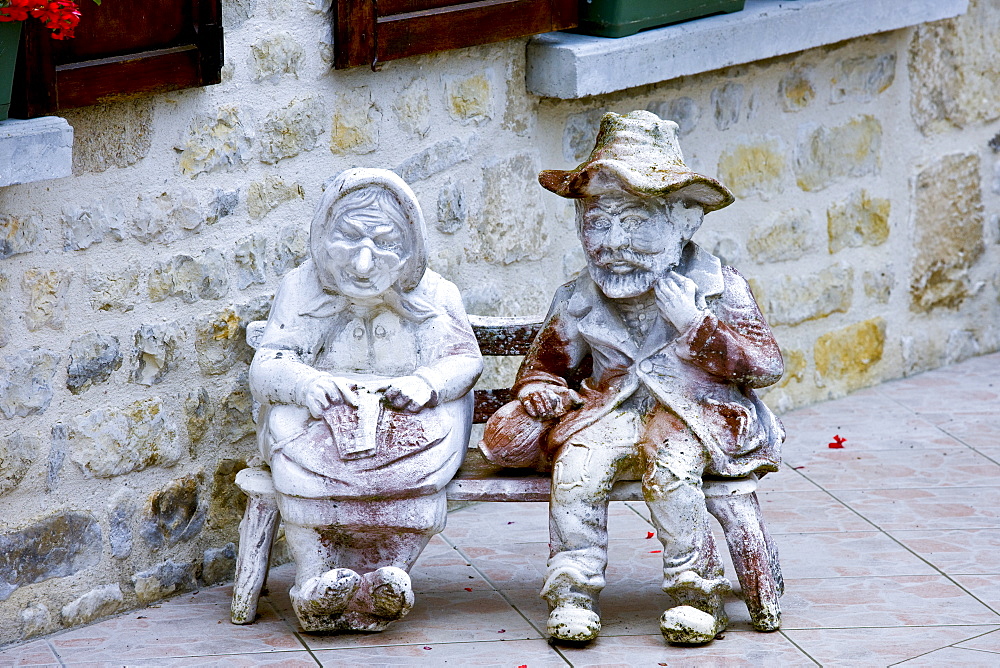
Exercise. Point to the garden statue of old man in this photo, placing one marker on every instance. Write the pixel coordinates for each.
(677, 344)
(364, 372)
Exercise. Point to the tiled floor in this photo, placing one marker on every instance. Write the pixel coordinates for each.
(890, 548)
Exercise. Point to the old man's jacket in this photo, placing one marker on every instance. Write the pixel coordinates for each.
(705, 376)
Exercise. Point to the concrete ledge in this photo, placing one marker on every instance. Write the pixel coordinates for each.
(568, 66)
(35, 150)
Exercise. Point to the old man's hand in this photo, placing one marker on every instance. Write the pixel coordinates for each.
(325, 391)
(544, 402)
(675, 298)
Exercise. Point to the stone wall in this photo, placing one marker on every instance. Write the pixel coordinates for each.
(868, 178)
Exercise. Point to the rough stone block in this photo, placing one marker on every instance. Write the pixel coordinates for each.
(275, 56)
(862, 79)
(826, 155)
(46, 291)
(57, 546)
(18, 234)
(469, 99)
(249, 257)
(156, 348)
(227, 501)
(265, 196)
(174, 513)
(509, 193)
(791, 236)
(115, 290)
(954, 81)
(26, 382)
(451, 209)
(948, 235)
(223, 204)
(236, 12)
(218, 564)
(579, 133)
(413, 108)
(727, 105)
(236, 418)
(681, 110)
(190, 279)
(111, 442)
(796, 89)
(803, 297)
(120, 525)
(164, 579)
(290, 249)
(92, 358)
(84, 226)
(291, 130)
(36, 620)
(199, 412)
(849, 355)
(17, 453)
(879, 284)
(168, 216)
(215, 142)
(862, 220)
(35, 150)
(356, 121)
(117, 134)
(434, 160)
(58, 447)
(220, 341)
(755, 167)
(96, 603)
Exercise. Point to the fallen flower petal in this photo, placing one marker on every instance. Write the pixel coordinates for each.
(649, 534)
(655, 551)
(468, 589)
(838, 442)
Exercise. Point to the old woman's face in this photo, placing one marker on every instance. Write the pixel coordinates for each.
(363, 253)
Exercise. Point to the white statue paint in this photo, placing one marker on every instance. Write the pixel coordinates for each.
(364, 372)
(677, 344)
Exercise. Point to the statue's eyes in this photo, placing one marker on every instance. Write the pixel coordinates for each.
(632, 222)
(598, 222)
(387, 241)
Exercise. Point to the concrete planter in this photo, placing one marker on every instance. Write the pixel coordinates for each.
(620, 18)
(10, 33)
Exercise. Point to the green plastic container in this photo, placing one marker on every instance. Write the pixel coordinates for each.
(620, 18)
(10, 33)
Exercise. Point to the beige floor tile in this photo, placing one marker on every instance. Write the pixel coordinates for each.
(984, 587)
(853, 468)
(953, 656)
(857, 647)
(443, 617)
(33, 653)
(846, 554)
(926, 508)
(970, 551)
(919, 600)
(734, 649)
(987, 642)
(441, 567)
(499, 523)
(808, 512)
(975, 431)
(301, 659)
(509, 653)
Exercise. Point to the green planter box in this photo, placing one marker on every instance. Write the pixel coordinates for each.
(619, 18)
(10, 32)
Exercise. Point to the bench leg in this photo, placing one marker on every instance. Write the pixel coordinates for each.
(754, 556)
(260, 521)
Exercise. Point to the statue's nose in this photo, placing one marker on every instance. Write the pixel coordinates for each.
(616, 237)
(364, 261)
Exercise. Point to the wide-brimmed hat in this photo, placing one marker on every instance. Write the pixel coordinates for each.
(637, 152)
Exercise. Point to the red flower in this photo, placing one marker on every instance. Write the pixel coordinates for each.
(838, 442)
(60, 16)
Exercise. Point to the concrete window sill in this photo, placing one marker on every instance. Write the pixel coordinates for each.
(569, 66)
(35, 150)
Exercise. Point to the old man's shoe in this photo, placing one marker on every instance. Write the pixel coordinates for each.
(686, 625)
(574, 624)
(320, 598)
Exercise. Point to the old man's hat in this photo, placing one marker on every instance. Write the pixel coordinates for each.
(637, 152)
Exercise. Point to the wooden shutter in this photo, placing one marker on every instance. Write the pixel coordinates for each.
(122, 47)
(368, 31)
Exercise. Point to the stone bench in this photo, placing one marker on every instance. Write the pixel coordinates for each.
(732, 501)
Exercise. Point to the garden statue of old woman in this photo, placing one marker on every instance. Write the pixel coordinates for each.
(364, 373)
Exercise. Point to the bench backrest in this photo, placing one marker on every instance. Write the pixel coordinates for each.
(498, 337)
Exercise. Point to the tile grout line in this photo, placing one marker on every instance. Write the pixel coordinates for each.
(796, 646)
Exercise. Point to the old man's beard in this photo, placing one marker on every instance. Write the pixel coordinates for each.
(624, 274)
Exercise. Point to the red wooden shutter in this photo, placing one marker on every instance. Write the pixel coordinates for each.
(122, 47)
(366, 31)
